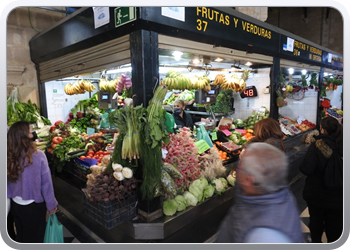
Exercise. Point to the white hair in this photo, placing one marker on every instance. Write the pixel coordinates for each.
(267, 164)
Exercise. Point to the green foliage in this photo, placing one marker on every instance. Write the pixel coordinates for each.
(223, 102)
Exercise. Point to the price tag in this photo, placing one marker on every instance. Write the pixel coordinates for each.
(202, 146)
(226, 132)
(90, 131)
(214, 136)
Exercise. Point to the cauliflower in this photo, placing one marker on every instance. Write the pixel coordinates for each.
(219, 187)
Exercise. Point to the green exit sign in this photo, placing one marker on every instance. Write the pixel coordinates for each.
(123, 15)
(55, 90)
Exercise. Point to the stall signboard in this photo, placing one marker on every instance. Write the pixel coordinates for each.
(215, 23)
(333, 60)
(308, 53)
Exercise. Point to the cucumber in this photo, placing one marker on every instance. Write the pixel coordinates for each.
(77, 155)
(76, 152)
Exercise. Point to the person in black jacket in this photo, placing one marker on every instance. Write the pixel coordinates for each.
(325, 205)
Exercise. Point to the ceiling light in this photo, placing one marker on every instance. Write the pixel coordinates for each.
(303, 72)
(248, 64)
(218, 59)
(325, 74)
(177, 55)
(196, 60)
(291, 71)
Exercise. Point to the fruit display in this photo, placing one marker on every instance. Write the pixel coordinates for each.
(335, 113)
(79, 87)
(179, 81)
(305, 126)
(108, 85)
(232, 82)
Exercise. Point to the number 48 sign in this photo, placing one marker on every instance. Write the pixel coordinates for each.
(250, 91)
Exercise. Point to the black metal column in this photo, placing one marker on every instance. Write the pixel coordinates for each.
(42, 95)
(319, 108)
(274, 84)
(145, 65)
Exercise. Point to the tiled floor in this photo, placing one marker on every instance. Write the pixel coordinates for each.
(304, 220)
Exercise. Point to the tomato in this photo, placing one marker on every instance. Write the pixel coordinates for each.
(95, 157)
(82, 157)
(106, 153)
(88, 157)
(99, 152)
(53, 145)
(91, 153)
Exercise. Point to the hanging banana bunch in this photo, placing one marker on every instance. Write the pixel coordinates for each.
(79, 87)
(232, 82)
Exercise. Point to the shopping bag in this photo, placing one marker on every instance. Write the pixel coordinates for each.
(53, 231)
(202, 134)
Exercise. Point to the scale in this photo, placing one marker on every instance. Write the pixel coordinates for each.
(107, 100)
(203, 97)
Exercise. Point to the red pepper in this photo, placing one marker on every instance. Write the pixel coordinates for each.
(58, 122)
(52, 128)
(80, 115)
(325, 104)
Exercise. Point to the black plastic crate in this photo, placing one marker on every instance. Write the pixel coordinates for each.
(112, 213)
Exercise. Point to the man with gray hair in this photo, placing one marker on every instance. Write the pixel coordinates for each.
(264, 209)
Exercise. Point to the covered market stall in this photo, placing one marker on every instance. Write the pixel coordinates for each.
(108, 82)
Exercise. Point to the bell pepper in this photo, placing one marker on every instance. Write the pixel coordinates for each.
(325, 104)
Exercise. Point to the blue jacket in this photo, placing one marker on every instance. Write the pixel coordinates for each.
(277, 211)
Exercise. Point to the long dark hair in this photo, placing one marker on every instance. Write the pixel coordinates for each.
(333, 128)
(19, 149)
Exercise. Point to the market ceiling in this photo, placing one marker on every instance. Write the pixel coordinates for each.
(218, 26)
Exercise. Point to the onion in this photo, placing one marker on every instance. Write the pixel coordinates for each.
(127, 172)
(118, 175)
(117, 167)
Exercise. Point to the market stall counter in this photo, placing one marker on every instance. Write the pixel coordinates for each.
(202, 220)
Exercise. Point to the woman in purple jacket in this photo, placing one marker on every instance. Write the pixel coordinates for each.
(29, 184)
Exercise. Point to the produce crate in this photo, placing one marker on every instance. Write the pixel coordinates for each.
(77, 170)
(111, 213)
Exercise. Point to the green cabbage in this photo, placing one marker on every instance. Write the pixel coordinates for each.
(196, 189)
(190, 199)
(204, 182)
(209, 191)
(181, 202)
(231, 180)
(170, 207)
(224, 182)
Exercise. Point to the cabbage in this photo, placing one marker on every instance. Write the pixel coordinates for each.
(169, 207)
(231, 180)
(208, 191)
(204, 182)
(238, 122)
(181, 202)
(190, 199)
(224, 182)
(196, 189)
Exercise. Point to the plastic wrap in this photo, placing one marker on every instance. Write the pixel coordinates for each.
(168, 184)
(172, 171)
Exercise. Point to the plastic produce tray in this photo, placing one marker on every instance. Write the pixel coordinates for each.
(111, 213)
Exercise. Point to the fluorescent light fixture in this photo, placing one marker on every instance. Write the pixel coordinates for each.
(196, 60)
(304, 71)
(177, 55)
(218, 59)
(291, 71)
(248, 64)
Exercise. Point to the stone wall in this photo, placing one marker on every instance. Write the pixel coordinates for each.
(323, 26)
(22, 25)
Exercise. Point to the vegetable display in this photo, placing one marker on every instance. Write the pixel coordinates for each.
(21, 111)
(223, 102)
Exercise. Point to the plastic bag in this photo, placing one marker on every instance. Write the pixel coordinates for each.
(104, 123)
(202, 134)
(53, 231)
(172, 171)
(168, 184)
